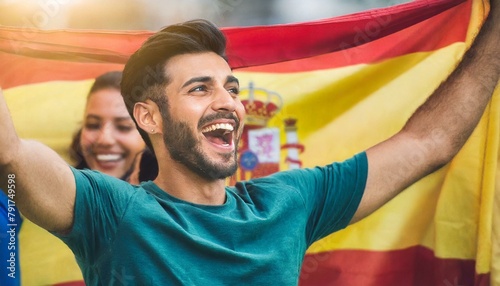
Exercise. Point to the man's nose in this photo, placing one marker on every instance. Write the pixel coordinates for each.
(224, 100)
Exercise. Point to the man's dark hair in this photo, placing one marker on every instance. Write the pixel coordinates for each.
(144, 74)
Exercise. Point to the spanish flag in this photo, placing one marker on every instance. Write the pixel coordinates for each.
(315, 92)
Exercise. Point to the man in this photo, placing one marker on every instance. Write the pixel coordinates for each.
(186, 227)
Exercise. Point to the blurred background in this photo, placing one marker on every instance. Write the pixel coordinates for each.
(155, 14)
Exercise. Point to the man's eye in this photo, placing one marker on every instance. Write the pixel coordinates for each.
(198, 88)
(234, 90)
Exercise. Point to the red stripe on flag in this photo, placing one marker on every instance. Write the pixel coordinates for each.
(253, 46)
(85, 54)
(412, 266)
(437, 32)
(21, 70)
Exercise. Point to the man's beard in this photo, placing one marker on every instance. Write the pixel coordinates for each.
(185, 149)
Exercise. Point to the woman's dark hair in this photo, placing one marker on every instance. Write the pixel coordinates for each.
(144, 74)
(148, 167)
(110, 79)
(75, 151)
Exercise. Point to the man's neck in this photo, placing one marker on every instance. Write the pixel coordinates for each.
(180, 182)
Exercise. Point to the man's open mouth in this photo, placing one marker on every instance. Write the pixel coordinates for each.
(219, 133)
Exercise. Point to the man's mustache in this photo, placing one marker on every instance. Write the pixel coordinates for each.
(212, 117)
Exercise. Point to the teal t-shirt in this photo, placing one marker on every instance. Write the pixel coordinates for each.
(140, 235)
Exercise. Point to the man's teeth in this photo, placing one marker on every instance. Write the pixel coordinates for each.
(225, 126)
(108, 157)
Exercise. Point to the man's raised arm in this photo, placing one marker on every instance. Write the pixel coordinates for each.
(440, 127)
(41, 184)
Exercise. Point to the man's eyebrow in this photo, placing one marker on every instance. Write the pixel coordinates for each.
(231, 78)
(197, 79)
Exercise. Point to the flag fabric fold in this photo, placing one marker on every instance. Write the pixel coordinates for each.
(337, 86)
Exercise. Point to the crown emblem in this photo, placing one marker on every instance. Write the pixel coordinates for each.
(260, 105)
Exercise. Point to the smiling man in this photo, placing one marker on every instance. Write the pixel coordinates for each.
(186, 227)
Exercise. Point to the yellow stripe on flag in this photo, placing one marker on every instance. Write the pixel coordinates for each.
(45, 259)
(494, 215)
(49, 112)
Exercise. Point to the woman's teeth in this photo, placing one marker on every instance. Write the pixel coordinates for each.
(108, 157)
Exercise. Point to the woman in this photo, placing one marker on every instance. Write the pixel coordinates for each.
(108, 140)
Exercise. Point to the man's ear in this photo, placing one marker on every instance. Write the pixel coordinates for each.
(148, 117)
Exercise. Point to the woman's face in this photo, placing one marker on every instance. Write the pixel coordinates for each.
(110, 141)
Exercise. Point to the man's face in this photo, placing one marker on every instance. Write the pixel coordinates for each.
(205, 115)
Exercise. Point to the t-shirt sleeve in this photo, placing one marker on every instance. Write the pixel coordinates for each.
(331, 193)
(100, 204)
